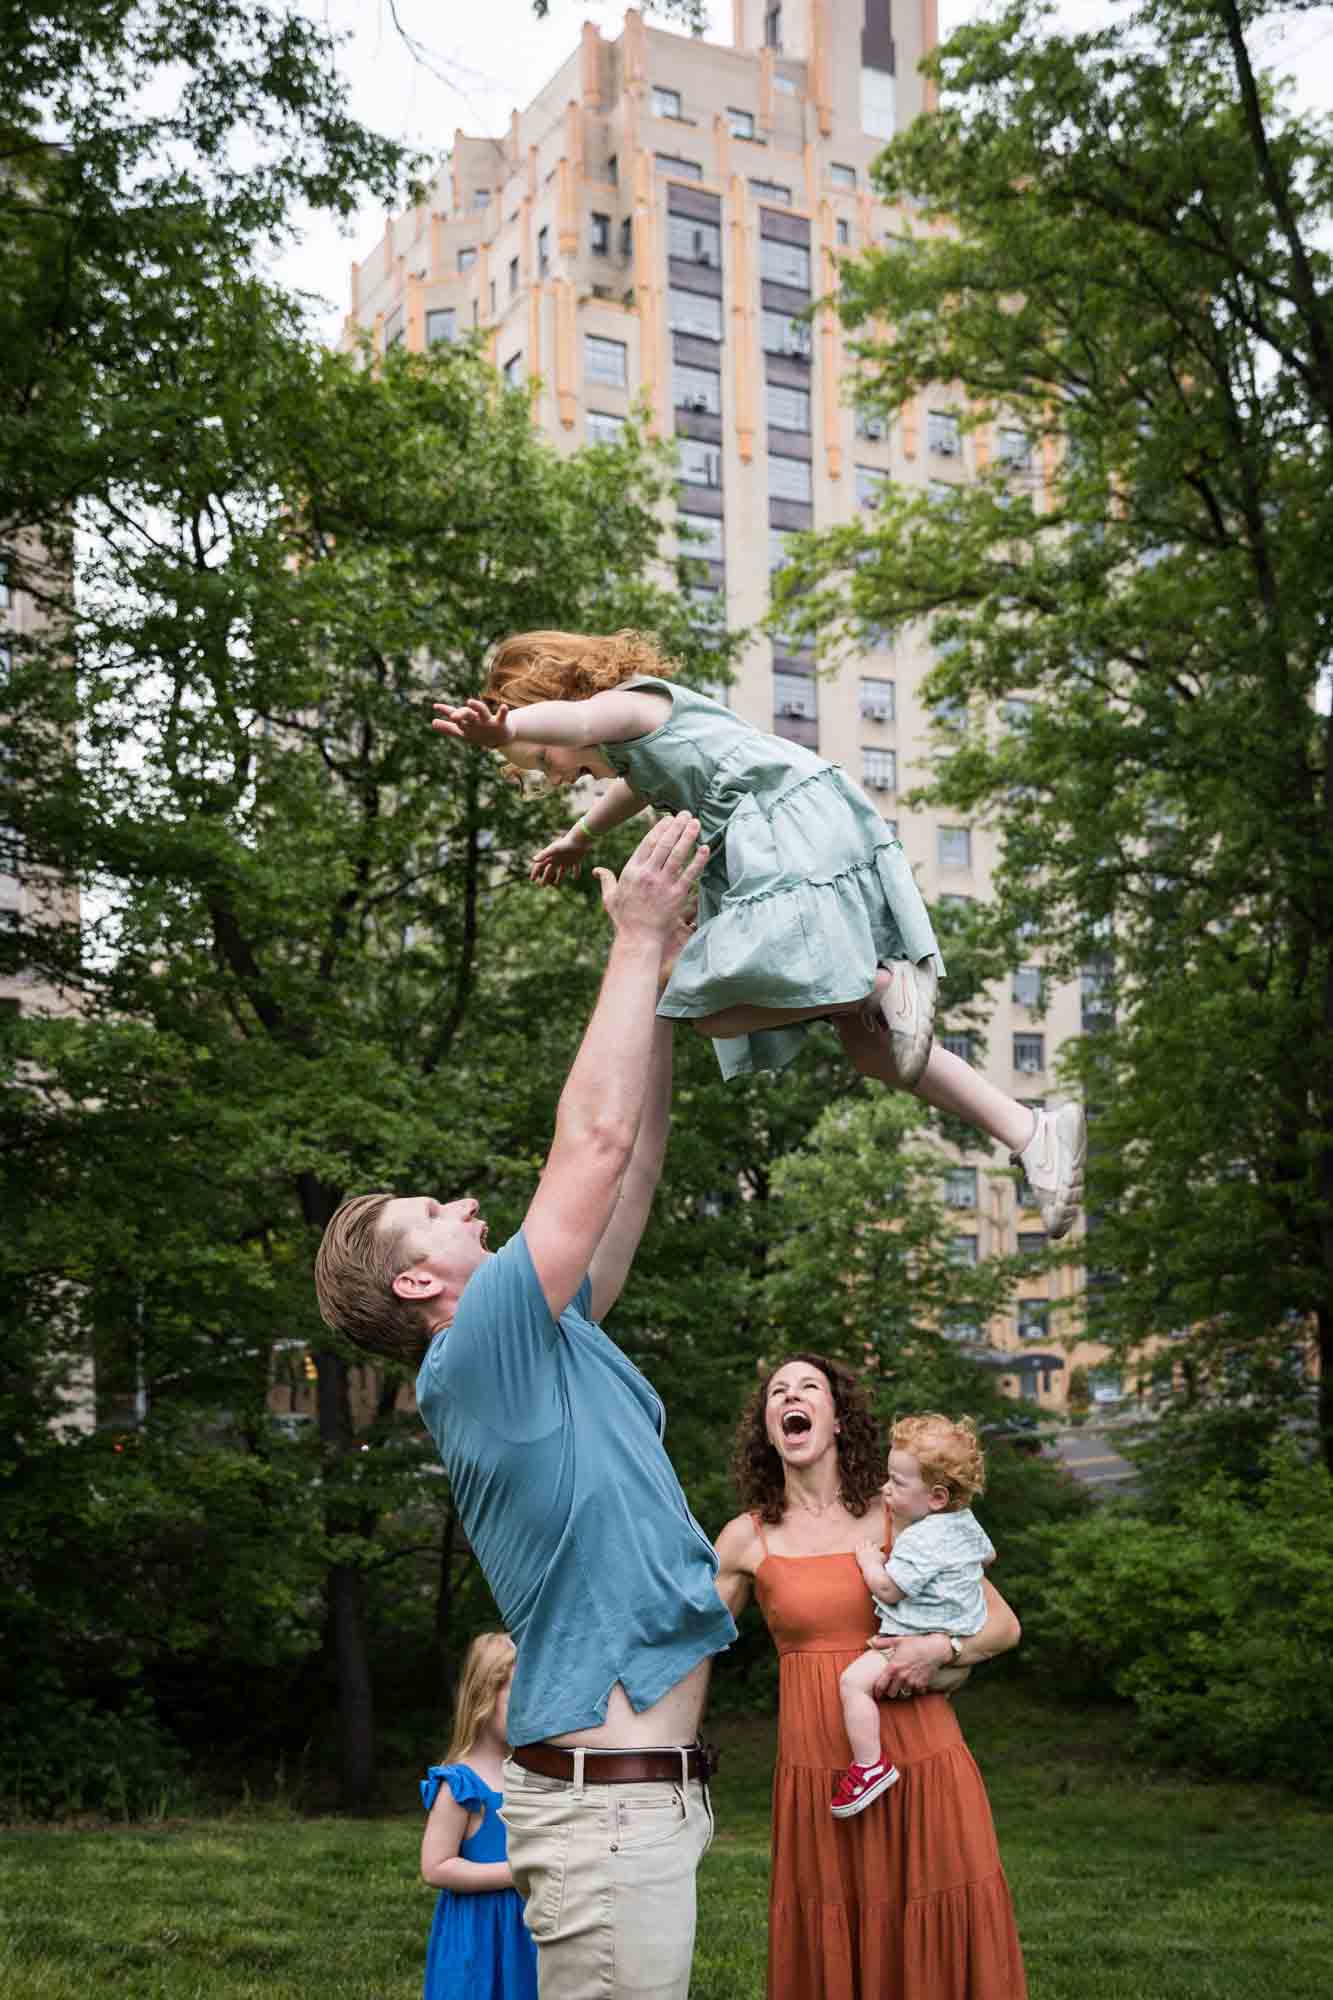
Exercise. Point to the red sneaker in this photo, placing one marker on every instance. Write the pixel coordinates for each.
(861, 1785)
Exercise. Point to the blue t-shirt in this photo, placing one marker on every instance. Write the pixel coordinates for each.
(552, 1441)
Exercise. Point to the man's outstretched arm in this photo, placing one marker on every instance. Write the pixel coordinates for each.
(602, 1105)
(615, 1253)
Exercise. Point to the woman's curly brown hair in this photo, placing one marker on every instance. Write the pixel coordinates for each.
(757, 1468)
(569, 666)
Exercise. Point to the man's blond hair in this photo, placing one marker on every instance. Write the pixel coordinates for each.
(355, 1266)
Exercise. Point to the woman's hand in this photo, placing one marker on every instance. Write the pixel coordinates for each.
(560, 858)
(475, 723)
(912, 1662)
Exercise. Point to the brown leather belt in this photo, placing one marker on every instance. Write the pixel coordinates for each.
(619, 1767)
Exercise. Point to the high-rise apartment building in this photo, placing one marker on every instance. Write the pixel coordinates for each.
(653, 228)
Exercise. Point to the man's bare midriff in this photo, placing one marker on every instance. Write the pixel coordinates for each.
(673, 1719)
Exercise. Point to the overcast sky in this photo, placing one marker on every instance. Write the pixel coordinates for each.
(476, 62)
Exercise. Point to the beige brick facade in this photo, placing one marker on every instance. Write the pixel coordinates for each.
(650, 228)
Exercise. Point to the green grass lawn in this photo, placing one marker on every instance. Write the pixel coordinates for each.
(1130, 1885)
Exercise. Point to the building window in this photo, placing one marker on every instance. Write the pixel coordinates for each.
(872, 426)
(1034, 1318)
(513, 370)
(771, 191)
(877, 700)
(1029, 1054)
(773, 28)
(871, 481)
(613, 169)
(1025, 986)
(604, 361)
(787, 409)
(627, 238)
(492, 298)
(705, 537)
(441, 325)
(481, 198)
(956, 1045)
(843, 230)
(394, 328)
(692, 242)
(779, 555)
(794, 696)
(954, 846)
(700, 464)
(1095, 996)
(786, 85)
(790, 478)
(877, 103)
(1014, 448)
(467, 257)
(781, 334)
(698, 389)
(694, 312)
(1016, 712)
(601, 427)
(1032, 1243)
(962, 1249)
(879, 770)
(513, 276)
(842, 177)
(666, 103)
(680, 170)
(942, 433)
(740, 124)
(960, 1187)
(784, 263)
(543, 250)
(941, 493)
(601, 234)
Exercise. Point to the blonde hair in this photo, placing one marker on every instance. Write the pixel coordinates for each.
(569, 666)
(355, 1266)
(948, 1451)
(487, 1665)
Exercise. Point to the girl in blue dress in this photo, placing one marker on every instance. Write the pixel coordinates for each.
(808, 909)
(479, 1948)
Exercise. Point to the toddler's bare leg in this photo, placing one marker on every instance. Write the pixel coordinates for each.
(859, 1685)
(947, 1082)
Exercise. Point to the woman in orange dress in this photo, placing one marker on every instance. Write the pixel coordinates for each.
(906, 1901)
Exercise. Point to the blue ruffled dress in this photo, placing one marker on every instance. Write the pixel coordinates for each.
(806, 891)
(479, 1948)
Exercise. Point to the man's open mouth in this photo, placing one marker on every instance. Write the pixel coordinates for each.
(795, 1423)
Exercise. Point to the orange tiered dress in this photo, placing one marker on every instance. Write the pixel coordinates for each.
(908, 1900)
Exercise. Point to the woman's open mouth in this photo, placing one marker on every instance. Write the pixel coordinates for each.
(795, 1424)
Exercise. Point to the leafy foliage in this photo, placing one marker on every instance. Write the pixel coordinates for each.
(1209, 1622)
(1110, 242)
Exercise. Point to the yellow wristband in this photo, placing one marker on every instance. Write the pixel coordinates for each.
(581, 826)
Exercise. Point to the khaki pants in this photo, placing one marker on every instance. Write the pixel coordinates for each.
(607, 1877)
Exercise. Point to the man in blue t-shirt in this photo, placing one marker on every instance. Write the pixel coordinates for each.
(553, 1445)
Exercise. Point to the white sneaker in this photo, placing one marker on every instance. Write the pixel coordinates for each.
(1053, 1162)
(907, 1008)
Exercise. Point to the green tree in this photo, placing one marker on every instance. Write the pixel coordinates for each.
(1111, 243)
(301, 966)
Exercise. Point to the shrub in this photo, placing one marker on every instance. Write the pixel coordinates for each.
(63, 1754)
(1215, 1625)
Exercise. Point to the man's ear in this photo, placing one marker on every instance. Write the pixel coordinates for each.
(417, 1284)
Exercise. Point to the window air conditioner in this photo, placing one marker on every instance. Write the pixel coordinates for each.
(947, 447)
(796, 710)
(876, 784)
(698, 403)
(875, 711)
(872, 427)
(796, 345)
(705, 257)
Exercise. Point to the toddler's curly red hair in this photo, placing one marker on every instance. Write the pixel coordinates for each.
(948, 1451)
(569, 666)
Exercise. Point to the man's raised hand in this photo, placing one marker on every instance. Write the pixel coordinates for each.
(656, 885)
(473, 722)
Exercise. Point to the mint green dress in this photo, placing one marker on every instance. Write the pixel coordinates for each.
(807, 891)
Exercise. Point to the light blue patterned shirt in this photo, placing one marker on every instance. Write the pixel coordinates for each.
(938, 1563)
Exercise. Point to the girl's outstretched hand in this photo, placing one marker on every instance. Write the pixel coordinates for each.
(475, 723)
(560, 858)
